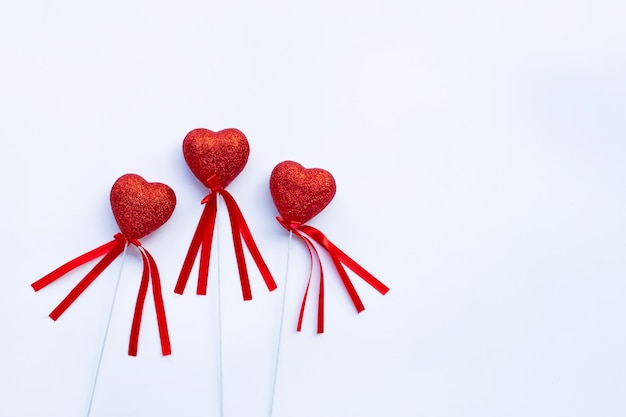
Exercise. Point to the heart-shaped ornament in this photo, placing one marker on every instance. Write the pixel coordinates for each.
(222, 153)
(141, 207)
(300, 193)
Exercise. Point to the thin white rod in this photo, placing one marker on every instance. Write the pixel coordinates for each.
(219, 315)
(106, 332)
(280, 328)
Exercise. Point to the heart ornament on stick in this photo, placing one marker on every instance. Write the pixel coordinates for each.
(216, 158)
(300, 194)
(139, 208)
(223, 154)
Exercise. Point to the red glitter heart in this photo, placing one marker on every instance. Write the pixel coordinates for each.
(222, 153)
(141, 207)
(300, 193)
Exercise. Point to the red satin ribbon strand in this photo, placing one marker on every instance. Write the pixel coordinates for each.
(241, 231)
(320, 302)
(150, 270)
(199, 237)
(207, 243)
(235, 228)
(341, 257)
(141, 298)
(73, 264)
(308, 283)
(245, 233)
(113, 253)
(157, 292)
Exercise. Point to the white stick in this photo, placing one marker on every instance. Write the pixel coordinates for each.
(219, 315)
(280, 328)
(106, 332)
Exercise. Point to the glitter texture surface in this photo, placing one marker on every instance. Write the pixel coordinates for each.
(300, 193)
(222, 153)
(141, 207)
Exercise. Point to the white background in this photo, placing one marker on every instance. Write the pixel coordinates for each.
(480, 154)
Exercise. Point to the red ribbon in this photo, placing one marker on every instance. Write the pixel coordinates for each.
(109, 251)
(309, 235)
(203, 239)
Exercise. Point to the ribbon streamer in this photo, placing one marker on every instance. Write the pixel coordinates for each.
(203, 239)
(109, 252)
(309, 235)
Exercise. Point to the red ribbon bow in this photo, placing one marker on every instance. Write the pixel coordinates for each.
(309, 234)
(109, 252)
(203, 238)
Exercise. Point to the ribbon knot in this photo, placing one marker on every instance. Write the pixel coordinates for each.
(289, 226)
(122, 238)
(215, 186)
(109, 252)
(214, 183)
